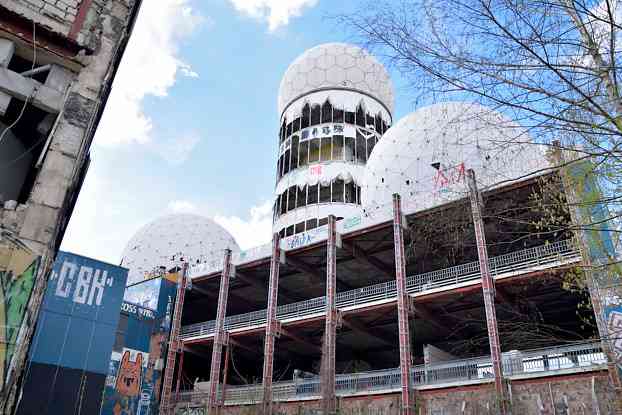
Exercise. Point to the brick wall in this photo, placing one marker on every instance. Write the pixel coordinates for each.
(560, 395)
(75, 19)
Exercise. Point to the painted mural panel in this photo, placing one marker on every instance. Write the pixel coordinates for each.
(68, 358)
(18, 270)
(133, 384)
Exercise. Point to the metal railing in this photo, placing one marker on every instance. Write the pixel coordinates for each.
(544, 256)
(530, 363)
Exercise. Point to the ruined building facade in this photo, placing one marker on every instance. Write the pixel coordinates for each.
(58, 59)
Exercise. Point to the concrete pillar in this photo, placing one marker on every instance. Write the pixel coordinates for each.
(403, 309)
(329, 401)
(488, 288)
(272, 326)
(7, 49)
(220, 336)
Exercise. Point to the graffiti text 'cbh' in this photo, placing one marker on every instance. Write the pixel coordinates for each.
(84, 284)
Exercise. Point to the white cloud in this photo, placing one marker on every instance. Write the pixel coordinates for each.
(182, 206)
(150, 67)
(276, 12)
(176, 150)
(253, 232)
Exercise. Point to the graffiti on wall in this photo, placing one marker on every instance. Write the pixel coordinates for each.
(18, 270)
(613, 321)
(129, 375)
(191, 411)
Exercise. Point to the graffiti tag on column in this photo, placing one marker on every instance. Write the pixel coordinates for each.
(18, 270)
(615, 331)
(448, 177)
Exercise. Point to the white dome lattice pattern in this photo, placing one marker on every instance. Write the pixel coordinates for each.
(336, 65)
(424, 155)
(162, 242)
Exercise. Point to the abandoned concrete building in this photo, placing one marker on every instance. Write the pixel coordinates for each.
(58, 59)
(423, 277)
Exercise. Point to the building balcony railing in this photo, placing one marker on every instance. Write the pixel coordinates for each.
(540, 257)
(580, 357)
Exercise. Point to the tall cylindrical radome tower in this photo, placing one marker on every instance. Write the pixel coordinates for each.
(335, 102)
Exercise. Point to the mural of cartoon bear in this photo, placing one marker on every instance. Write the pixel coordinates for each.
(129, 375)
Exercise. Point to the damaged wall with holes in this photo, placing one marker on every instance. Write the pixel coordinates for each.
(58, 59)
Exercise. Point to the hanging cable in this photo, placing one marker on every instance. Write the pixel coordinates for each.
(34, 88)
(242, 378)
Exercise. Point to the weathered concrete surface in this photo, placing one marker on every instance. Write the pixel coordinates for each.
(74, 97)
(557, 395)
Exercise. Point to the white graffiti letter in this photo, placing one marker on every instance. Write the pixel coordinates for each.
(82, 285)
(63, 285)
(99, 279)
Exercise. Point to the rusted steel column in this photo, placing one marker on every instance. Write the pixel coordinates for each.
(488, 288)
(329, 401)
(225, 376)
(173, 344)
(403, 308)
(272, 329)
(180, 370)
(220, 336)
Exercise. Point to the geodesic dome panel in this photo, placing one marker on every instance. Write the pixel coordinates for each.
(336, 65)
(164, 241)
(425, 155)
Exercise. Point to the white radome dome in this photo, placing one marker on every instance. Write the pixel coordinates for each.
(336, 65)
(448, 136)
(163, 241)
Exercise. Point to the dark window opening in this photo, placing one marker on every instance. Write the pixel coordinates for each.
(294, 156)
(327, 112)
(289, 129)
(300, 227)
(361, 152)
(324, 194)
(291, 198)
(306, 114)
(20, 149)
(358, 195)
(283, 127)
(286, 162)
(325, 152)
(338, 147)
(322, 222)
(360, 116)
(337, 191)
(349, 149)
(302, 197)
(290, 230)
(378, 123)
(283, 202)
(314, 150)
(312, 196)
(337, 115)
(303, 154)
(315, 114)
(296, 125)
(350, 193)
(349, 117)
(311, 224)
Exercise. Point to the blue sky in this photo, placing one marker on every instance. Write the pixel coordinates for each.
(191, 124)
